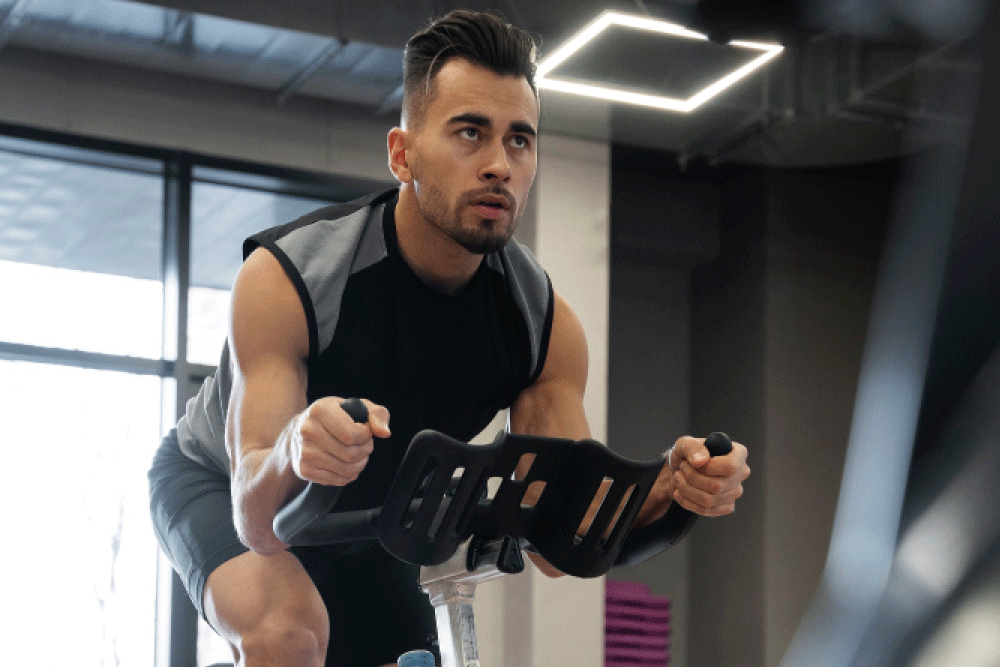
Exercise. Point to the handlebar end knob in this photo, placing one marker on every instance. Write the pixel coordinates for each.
(357, 410)
(718, 444)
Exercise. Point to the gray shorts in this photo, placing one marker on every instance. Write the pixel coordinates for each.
(377, 610)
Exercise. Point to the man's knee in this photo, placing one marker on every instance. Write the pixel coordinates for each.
(268, 610)
(283, 641)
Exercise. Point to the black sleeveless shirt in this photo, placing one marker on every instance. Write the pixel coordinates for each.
(448, 363)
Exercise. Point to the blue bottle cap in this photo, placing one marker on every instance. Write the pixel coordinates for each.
(416, 659)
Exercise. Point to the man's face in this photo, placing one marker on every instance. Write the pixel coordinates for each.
(473, 157)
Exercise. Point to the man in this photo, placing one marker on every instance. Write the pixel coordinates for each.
(419, 302)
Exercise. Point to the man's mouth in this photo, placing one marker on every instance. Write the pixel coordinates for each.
(492, 201)
(491, 206)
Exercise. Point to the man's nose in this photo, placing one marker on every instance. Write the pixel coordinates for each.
(497, 166)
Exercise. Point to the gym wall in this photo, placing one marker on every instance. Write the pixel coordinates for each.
(752, 322)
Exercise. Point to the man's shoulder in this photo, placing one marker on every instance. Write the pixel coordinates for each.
(344, 209)
(332, 212)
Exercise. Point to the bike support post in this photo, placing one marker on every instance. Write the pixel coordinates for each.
(451, 587)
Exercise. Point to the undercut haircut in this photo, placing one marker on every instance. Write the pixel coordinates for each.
(481, 38)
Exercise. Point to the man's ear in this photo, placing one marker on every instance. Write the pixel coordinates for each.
(398, 142)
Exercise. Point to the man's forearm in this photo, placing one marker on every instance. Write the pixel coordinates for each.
(659, 499)
(263, 481)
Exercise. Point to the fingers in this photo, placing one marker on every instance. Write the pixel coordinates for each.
(708, 496)
(708, 485)
(378, 419)
(332, 448)
(690, 449)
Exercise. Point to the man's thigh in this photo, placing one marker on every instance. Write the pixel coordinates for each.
(376, 608)
(370, 621)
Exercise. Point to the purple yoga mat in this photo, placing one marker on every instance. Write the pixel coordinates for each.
(636, 641)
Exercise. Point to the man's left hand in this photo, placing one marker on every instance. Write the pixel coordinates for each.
(697, 481)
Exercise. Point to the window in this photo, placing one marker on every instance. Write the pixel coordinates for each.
(80, 239)
(78, 443)
(80, 255)
(222, 216)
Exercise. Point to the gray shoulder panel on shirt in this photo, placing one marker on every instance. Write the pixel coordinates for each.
(326, 253)
(532, 293)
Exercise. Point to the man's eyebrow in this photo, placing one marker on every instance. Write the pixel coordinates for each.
(470, 119)
(523, 128)
(482, 121)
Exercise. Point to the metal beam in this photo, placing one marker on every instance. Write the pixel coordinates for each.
(176, 268)
(867, 90)
(13, 20)
(892, 112)
(391, 101)
(307, 72)
(176, 275)
(858, 103)
(714, 144)
(178, 28)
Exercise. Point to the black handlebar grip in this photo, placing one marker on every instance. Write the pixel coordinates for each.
(316, 500)
(717, 444)
(672, 527)
(356, 408)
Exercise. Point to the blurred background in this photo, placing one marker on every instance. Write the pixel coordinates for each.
(807, 261)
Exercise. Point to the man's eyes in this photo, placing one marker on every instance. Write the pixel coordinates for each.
(519, 141)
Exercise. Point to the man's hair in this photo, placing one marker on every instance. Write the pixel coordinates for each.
(483, 39)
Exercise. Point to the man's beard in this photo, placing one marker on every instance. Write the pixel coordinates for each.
(481, 239)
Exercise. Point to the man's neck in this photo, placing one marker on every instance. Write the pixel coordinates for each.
(433, 256)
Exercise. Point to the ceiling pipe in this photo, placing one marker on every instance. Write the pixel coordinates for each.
(391, 102)
(307, 72)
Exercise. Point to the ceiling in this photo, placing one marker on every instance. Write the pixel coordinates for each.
(860, 80)
(862, 88)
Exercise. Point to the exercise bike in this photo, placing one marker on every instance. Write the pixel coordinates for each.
(438, 515)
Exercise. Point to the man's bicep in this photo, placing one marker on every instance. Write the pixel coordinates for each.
(269, 341)
(553, 404)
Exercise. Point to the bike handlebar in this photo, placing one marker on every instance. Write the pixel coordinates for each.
(427, 514)
(308, 514)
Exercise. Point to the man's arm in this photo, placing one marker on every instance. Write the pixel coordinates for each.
(553, 406)
(277, 442)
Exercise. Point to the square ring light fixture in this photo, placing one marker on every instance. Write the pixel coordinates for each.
(607, 19)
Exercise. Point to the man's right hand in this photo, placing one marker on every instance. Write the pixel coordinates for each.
(328, 447)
